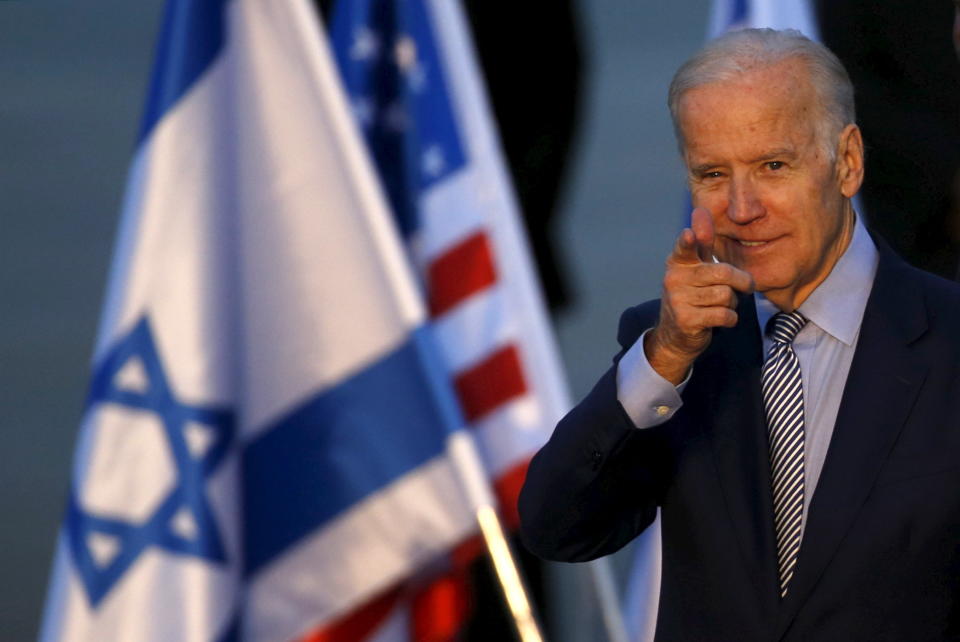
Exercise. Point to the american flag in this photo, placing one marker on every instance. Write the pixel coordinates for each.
(410, 73)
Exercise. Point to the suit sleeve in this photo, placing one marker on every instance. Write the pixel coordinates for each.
(595, 485)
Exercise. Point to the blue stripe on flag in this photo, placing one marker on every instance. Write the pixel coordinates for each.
(346, 443)
(191, 37)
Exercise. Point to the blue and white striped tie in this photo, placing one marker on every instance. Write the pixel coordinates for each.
(783, 402)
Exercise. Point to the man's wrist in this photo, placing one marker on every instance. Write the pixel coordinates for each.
(670, 364)
(647, 398)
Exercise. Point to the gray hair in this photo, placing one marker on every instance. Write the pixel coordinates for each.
(738, 52)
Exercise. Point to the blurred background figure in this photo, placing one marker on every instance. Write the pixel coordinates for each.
(956, 27)
(534, 84)
(907, 86)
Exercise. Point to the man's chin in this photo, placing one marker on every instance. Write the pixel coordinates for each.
(763, 273)
(763, 283)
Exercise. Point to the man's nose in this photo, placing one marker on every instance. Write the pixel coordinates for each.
(743, 203)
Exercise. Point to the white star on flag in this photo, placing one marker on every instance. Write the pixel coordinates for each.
(405, 52)
(433, 161)
(366, 44)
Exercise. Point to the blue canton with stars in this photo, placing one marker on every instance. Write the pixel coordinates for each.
(387, 54)
(192, 472)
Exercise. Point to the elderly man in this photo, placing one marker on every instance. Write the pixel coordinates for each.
(791, 403)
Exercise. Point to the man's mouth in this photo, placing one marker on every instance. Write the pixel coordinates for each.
(751, 243)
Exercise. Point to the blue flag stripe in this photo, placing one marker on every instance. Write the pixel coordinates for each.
(346, 443)
(191, 37)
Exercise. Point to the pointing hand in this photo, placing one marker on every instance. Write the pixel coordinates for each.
(699, 294)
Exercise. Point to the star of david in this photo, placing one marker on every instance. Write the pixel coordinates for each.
(185, 500)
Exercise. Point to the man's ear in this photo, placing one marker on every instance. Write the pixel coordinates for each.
(850, 160)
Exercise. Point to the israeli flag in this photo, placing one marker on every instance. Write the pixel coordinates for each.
(267, 438)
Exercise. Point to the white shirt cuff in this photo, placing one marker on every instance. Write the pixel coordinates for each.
(648, 398)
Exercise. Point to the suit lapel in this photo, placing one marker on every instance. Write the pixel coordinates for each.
(740, 445)
(881, 387)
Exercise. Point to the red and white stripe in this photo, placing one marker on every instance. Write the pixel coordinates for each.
(486, 360)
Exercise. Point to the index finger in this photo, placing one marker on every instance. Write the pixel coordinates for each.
(685, 250)
(701, 222)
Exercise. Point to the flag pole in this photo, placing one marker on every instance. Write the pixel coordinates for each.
(474, 478)
(513, 588)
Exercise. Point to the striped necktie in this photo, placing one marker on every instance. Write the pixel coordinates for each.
(783, 403)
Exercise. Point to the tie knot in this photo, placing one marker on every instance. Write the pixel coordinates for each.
(784, 326)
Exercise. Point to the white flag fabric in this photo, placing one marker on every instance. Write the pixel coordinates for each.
(267, 438)
(642, 596)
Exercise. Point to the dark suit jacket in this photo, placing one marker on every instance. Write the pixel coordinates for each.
(880, 558)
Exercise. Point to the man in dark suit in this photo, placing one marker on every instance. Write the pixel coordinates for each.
(791, 404)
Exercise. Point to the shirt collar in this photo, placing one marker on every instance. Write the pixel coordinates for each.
(837, 305)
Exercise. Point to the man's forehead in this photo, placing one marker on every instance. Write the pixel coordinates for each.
(788, 80)
(753, 99)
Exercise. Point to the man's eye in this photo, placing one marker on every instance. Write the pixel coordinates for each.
(775, 165)
(712, 174)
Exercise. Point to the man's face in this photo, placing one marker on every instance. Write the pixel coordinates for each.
(778, 202)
